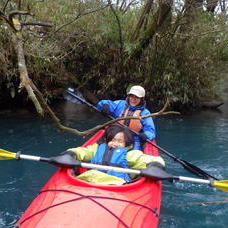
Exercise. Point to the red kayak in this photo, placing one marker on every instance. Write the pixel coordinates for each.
(68, 202)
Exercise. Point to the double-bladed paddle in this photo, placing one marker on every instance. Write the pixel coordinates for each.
(187, 165)
(154, 172)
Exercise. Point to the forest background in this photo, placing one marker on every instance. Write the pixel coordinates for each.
(177, 50)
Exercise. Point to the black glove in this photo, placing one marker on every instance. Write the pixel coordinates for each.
(155, 164)
(105, 109)
(66, 159)
(68, 152)
(156, 173)
(143, 137)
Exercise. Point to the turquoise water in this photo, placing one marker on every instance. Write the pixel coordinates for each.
(201, 139)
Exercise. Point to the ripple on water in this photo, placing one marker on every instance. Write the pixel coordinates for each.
(8, 220)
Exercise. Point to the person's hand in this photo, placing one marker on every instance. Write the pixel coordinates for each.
(143, 137)
(105, 109)
(68, 152)
(156, 173)
(155, 164)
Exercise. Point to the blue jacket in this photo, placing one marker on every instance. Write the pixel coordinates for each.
(116, 108)
(118, 158)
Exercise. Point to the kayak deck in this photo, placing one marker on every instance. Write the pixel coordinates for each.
(66, 201)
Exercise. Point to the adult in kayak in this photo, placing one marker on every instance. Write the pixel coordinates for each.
(133, 105)
(113, 149)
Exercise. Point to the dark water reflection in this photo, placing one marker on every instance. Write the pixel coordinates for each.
(201, 139)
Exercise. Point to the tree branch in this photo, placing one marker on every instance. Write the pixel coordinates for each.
(98, 127)
(24, 78)
(77, 17)
(36, 24)
(15, 13)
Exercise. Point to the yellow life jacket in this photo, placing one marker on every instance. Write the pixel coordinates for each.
(134, 124)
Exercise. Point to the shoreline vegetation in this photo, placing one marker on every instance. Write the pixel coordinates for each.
(176, 51)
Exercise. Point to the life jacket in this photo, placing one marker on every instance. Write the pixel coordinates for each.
(134, 124)
(113, 157)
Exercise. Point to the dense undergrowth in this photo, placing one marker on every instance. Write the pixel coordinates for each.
(92, 45)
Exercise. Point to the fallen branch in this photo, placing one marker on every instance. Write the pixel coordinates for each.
(98, 127)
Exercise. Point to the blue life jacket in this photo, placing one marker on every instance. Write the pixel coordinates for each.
(111, 156)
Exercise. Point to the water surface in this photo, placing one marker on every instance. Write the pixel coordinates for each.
(201, 139)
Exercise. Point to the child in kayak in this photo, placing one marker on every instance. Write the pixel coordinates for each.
(133, 105)
(113, 149)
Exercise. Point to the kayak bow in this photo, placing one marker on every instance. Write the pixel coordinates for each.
(66, 201)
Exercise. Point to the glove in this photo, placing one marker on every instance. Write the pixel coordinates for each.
(68, 152)
(66, 159)
(143, 137)
(155, 164)
(105, 109)
(156, 173)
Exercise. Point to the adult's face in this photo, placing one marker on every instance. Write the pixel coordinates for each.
(134, 100)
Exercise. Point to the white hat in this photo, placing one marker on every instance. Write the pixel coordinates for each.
(138, 91)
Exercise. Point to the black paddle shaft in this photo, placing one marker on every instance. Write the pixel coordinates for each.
(187, 165)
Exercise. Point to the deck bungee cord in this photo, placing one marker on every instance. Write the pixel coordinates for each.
(90, 197)
(187, 165)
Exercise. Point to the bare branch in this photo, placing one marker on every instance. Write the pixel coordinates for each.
(24, 78)
(98, 127)
(37, 24)
(78, 16)
(4, 17)
(15, 13)
(4, 7)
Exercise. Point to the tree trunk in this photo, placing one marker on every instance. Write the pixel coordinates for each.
(160, 17)
(211, 5)
(142, 20)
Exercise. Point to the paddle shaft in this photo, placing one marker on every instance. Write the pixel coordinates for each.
(110, 168)
(82, 164)
(190, 167)
(116, 169)
(190, 179)
(32, 158)
(155, 172)
(138, 172)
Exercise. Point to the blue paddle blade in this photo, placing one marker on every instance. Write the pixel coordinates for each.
(67, 96)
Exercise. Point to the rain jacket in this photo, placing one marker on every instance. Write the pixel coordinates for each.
(95, 153)
(116, 108)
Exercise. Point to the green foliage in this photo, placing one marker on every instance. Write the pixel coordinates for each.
(86, 48)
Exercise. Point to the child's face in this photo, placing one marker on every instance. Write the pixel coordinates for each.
(117, 141)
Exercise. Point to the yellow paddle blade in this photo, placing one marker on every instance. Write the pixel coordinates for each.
(6, 155)
(221, 185)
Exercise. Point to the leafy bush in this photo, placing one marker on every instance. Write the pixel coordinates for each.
(90, 46)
